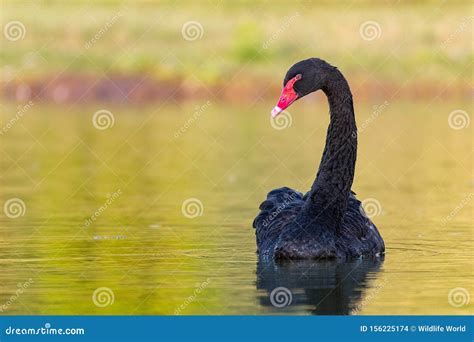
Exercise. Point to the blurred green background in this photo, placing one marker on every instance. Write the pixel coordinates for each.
(187, 88)
(414, 42)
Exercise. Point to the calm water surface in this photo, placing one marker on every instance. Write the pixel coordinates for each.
(104, 209)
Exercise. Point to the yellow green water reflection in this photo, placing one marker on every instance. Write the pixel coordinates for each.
(155, 260)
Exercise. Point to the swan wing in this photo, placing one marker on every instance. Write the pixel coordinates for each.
(280, 208)
(358, 233)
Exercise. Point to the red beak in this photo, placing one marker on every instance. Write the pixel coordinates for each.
(287, 97)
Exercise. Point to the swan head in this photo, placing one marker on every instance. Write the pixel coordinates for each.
(303, 78)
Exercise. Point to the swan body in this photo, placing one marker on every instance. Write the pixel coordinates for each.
(328, 222)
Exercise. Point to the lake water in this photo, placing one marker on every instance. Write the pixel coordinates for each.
(153, 215)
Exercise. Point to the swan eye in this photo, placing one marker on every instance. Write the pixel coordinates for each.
(293, 80)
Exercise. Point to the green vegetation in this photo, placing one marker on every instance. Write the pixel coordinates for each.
(244, 39)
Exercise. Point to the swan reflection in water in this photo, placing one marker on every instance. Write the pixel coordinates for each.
(323, 288)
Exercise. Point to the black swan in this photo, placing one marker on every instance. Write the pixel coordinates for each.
(328, 222)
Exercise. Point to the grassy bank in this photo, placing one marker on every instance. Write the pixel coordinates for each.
(239, 42)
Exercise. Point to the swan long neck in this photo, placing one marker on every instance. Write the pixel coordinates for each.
(327, 202)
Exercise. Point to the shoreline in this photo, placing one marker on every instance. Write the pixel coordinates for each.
(142, 89)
